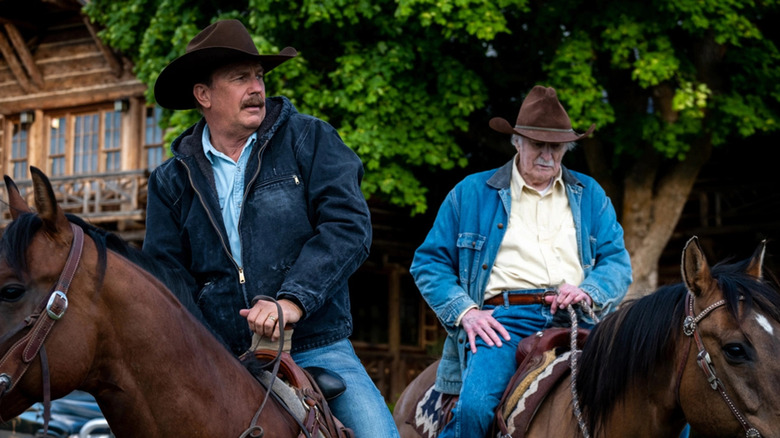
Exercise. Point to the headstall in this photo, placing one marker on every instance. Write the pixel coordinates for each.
(18, 358)
(690, 325)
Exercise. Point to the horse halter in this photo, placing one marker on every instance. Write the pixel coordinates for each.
(705, 363)
(18, 358)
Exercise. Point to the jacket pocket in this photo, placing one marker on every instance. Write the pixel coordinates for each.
(469, 251)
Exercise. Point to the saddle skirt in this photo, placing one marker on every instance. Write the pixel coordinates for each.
(522, 400)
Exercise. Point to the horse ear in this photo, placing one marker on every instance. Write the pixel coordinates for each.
(46, 203)
(756, 265)
(16, 202)
(695, 269)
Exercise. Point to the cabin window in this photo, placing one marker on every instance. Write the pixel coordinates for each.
(57, 147)
(19, 150)
(153, 138)
(112, 147)
(85, 143)
(97, 142)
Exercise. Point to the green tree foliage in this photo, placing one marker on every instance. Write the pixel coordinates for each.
(410, 84)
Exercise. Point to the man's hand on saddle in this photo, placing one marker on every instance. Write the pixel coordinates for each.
(567, 294)
(481, 323)
(263, 317)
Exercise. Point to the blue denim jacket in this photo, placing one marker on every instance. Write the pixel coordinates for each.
(453, 264)
(304, 227)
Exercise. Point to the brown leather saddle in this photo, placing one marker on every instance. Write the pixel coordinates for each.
(533, 353)
(314, 386)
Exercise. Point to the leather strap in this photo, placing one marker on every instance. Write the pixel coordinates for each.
(53, 307)
(519, 299)
(690, 329)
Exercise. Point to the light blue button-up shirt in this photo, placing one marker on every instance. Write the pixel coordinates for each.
(229, 178)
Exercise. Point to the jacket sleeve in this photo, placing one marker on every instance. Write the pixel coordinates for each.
(436, 263)
(608, 280)
(338, 212)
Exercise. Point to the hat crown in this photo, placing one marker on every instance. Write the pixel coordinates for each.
(226, 34)
(542, 109)
(541, 118)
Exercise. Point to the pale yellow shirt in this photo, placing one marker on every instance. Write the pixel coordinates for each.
(539, 248)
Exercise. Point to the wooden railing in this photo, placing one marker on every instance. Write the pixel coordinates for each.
(99, 198)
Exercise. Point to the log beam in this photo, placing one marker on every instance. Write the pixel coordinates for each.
(24, 54)
(13, 63)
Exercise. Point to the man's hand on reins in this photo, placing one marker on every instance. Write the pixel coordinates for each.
(263, 317)
(567, 294)
(481, 323)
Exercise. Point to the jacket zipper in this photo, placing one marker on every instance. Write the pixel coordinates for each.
(240, 269)
(241, 277)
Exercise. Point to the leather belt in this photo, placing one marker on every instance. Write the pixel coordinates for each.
(519, 299)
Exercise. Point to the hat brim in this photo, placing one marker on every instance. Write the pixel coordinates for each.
(552, 136)
(173, 88)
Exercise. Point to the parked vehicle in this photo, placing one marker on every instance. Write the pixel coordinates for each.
(76, 415)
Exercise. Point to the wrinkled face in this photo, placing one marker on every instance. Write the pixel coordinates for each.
(234, 101)
(539, 162)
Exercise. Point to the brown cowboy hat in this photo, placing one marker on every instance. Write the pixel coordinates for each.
(541, 118)
(219, 44)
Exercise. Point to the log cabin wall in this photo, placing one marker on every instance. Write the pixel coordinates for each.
(72, 107)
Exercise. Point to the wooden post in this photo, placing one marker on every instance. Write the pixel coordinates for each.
(397, 378)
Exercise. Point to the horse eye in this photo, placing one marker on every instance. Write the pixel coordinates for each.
(735, 353)
(11, 293)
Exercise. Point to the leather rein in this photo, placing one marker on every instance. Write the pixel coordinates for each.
(690, 325)
(18, 358)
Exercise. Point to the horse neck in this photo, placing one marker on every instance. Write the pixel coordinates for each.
(638, 416)
(649, 409)
(158, 370)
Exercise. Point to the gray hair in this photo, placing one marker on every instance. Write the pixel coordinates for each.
(517, 140)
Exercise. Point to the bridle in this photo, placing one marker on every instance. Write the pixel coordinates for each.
(690, 325)
(18, 358)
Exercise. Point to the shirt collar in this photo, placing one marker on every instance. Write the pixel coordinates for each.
(212, 153)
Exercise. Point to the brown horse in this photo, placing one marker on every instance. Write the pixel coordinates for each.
(75, 314)
(703, 352)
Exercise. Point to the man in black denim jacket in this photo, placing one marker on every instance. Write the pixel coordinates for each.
(261, 200)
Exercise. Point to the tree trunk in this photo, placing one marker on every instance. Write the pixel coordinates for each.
(653, 201)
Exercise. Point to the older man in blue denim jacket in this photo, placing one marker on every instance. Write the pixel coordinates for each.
(261, 200)
(500, 240)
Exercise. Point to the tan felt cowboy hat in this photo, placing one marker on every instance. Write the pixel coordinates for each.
(541, 118)
(219, 44)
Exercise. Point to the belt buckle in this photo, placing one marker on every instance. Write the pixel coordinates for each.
(549, 293)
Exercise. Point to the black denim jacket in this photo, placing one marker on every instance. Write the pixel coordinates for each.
(304, 227)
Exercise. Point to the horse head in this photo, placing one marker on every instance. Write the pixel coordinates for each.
(733, 323)
(81, 309)
(33, 253)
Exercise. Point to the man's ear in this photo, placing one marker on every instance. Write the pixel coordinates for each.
(202, 95)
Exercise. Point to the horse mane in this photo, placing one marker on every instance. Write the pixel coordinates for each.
(628, 345)
(19, 233)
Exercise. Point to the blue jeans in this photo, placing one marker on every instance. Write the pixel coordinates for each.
(361, 407)
(489, 370)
